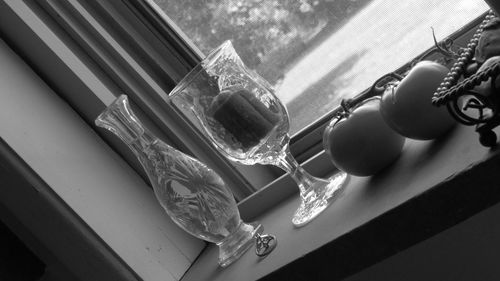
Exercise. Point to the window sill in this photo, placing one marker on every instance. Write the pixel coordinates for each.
(432, 186)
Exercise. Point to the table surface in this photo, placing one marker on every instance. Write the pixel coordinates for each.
(431, 187)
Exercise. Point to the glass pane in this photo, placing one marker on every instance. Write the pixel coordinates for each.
(316, 52)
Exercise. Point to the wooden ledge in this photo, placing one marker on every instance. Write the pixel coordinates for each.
(431, 187)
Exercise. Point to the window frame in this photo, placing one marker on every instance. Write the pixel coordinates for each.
(93, 32)
(78, 200)
(100, 33)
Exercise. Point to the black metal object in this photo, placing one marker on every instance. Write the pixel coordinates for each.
(462, 97)
(467, 104)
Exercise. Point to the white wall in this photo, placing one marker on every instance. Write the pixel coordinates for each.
(88, 176)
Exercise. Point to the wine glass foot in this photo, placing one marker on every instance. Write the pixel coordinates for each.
(318, 197)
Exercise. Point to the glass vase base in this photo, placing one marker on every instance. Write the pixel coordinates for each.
(238, 242)
(318, 197)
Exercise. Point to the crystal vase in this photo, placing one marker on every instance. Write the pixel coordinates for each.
(193, 195)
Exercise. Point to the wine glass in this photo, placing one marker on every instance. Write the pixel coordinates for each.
(243, 118)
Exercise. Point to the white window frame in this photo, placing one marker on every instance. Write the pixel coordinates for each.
(72, 200)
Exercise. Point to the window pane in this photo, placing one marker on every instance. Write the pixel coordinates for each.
(316, 52)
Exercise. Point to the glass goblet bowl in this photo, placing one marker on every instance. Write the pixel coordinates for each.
(243, 118)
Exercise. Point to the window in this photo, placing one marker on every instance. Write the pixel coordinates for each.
(317, 52)
(89, 52)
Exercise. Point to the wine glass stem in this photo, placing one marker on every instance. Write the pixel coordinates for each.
(288, 163)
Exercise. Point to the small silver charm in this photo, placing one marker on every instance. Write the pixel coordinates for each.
(265, 244)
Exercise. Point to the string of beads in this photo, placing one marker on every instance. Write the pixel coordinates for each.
(445, 91)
